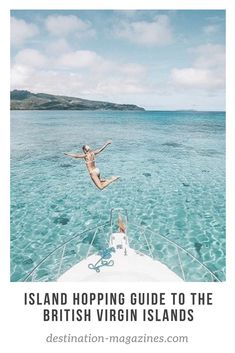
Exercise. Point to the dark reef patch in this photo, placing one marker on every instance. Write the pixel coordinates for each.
(172, 144)
(61, 220)
(28, 262)
(66, 165)
(198, 247)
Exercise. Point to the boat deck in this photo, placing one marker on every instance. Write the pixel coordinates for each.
(125, 265)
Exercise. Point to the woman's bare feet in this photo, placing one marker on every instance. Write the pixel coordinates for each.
(113, 178)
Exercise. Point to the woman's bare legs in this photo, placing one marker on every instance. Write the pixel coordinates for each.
(121, 225)
(104, 183)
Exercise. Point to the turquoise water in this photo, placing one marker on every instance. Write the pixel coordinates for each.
(172, 168)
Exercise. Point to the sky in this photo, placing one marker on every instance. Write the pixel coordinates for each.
(159, 60)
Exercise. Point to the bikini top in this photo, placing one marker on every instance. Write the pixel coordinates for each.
(92, 160)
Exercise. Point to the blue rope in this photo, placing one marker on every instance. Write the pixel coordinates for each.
(105, 254)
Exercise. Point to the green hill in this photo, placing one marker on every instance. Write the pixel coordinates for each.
(25, 100)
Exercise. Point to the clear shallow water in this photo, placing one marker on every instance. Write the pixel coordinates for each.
(172, 168)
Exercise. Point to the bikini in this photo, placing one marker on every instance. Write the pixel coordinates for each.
(94, 170)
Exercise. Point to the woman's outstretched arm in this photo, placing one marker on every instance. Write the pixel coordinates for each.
(74, 155)
(103, 147)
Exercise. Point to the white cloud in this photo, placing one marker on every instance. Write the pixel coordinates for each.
(210, 29)
(30, 58)
(46, 81)
(20, 76)
(209, 56)
(99, 66)
(78, 73)
(57, 47)
(120, 86)
(197, 78)
(207, 71)
(21, 31)
(132, 70)
(76, 84)
(149, 33)
(79, 59)
(61, 25)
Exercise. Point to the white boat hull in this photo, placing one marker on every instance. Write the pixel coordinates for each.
(128, 266)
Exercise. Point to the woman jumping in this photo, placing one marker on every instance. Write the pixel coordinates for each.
(89, 156)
